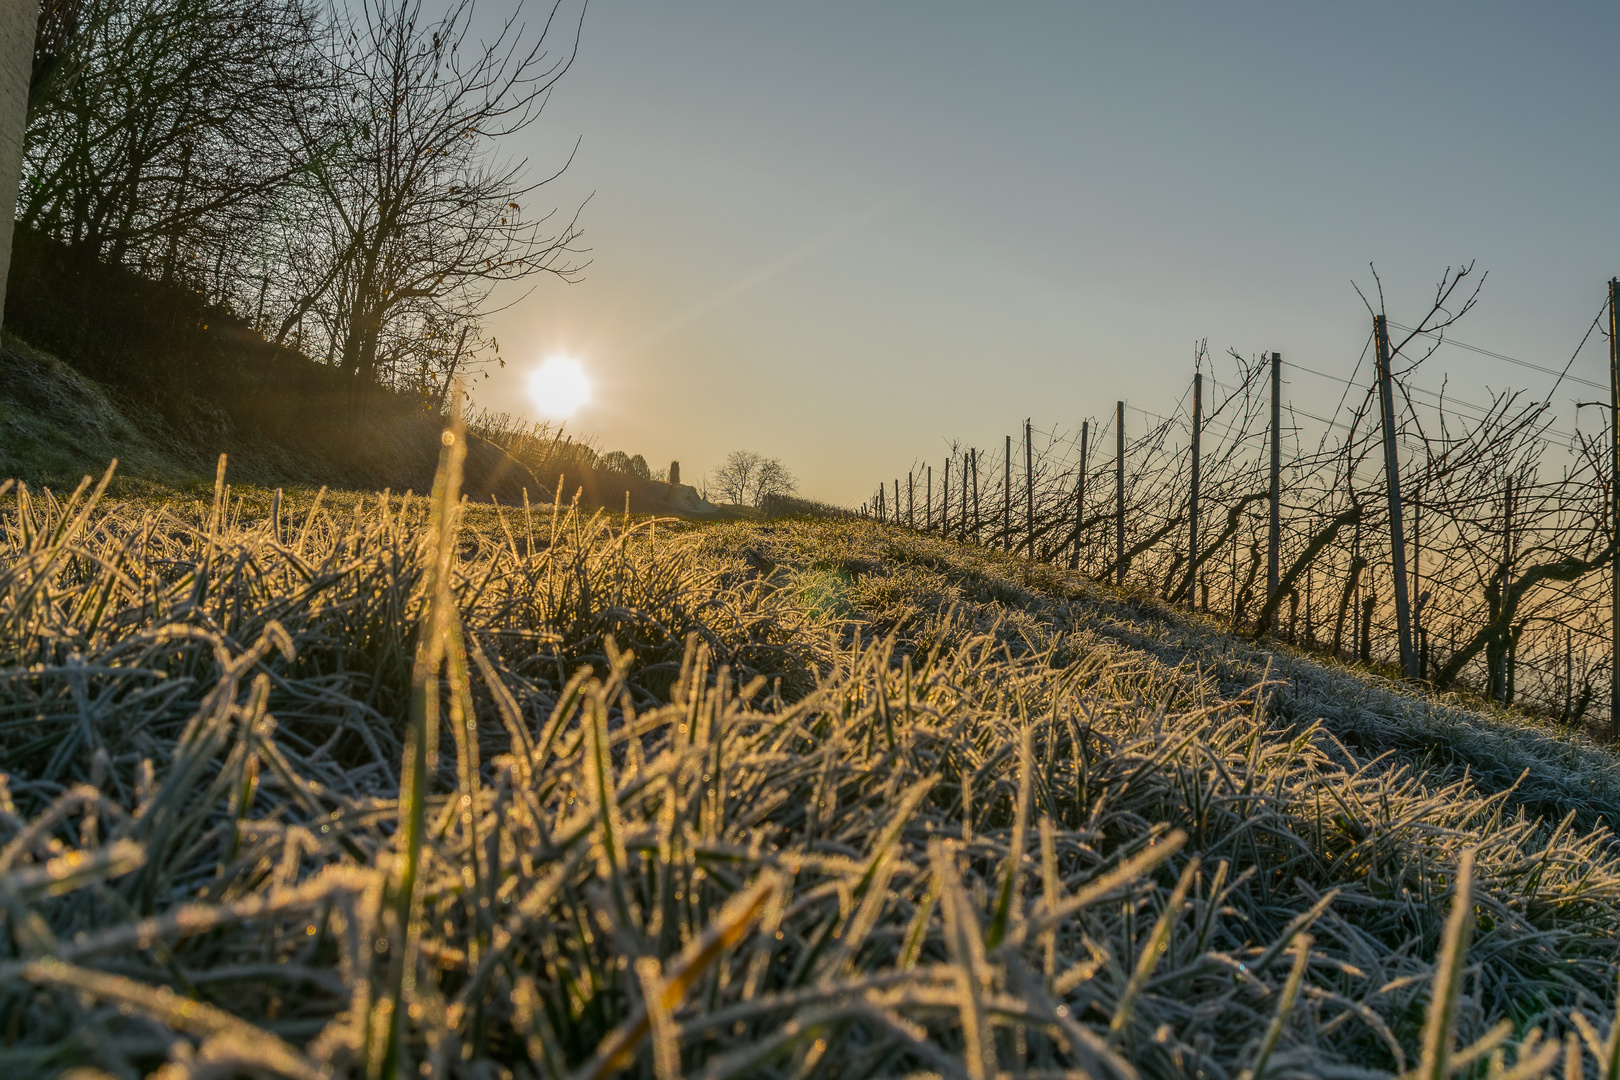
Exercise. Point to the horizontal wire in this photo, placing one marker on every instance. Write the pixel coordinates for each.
(1441, 338)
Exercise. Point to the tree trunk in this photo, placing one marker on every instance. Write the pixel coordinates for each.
(1502, 609)
(18, 23)
(1357, 565)
(1317, 544)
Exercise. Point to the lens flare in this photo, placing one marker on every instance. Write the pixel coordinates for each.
(559, 388)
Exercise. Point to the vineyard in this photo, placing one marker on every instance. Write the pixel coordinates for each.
(1503, 522)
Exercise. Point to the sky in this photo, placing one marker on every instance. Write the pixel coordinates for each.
(848, 235)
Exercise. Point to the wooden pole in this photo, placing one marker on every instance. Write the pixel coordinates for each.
(1504, 694)
(1310, 629)
(945, 504)
(1274, 541)
(962, 520)
(1417, 591)
(1029, 486)
(911, 503)
(1080, 496)
(1234, 578)
(1192, 500)
(1614, 509)
(1119, 493)
(928, 502)
(897, 500)
(1392, 476)
(1006, 500)
(1569, 673)
(978, 535)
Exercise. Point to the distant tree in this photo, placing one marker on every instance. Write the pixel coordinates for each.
(747, 478)
(734, 478)
(620, 462)
(675, 472)
(773, 481)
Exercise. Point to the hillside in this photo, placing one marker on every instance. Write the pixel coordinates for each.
(790, 797)
(58, 423)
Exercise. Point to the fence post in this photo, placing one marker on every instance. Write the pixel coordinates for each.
(1418, 599)
(897, 500)
(911, 502)
(1310, 629)
(1192, 501)
(1029, 487)
(1504, 690)
(1274, 542)
(978, 535)
(1006, 502)
(928, 502)
(1080, 496)
(1569, 673)
(1614, 509)
(962, 519)
(1392, 475)
(1119, 492)
(945, 504)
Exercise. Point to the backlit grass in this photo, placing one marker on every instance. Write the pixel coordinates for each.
(387, 786)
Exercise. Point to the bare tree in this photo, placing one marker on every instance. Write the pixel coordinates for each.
(773, 481)
(415, 218)
(734, 479)
(747, 478)
(157, 128)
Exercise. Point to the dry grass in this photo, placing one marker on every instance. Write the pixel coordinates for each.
(411, 788)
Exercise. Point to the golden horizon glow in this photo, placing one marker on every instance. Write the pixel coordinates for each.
(559, 388)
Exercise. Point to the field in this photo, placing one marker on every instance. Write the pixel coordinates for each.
(319, 786)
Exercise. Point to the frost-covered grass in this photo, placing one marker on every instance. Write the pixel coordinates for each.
(389, 787)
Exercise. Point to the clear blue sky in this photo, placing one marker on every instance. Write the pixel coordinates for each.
(846, 234)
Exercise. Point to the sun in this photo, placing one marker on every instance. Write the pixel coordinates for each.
(559, 387)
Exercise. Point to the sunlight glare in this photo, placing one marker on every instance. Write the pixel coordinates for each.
(559, 387)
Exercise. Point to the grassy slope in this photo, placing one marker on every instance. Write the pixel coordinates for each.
(1237, 886)
(891, 580)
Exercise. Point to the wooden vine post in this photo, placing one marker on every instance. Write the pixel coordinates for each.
(1505, 685)
(1192, 499)
(1392, 476)
(978, 535)
(1080, 496)
(1119, 493)
(945, 504)
(1274, 542)
(928, 502)
(1614, 507)
(1029, 487)
(962, 520)
(1006, 497)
